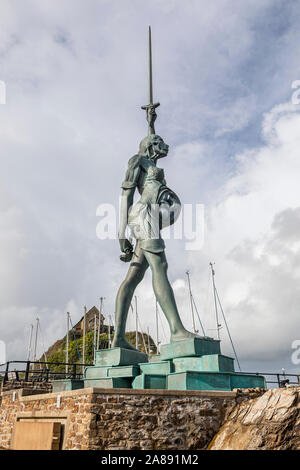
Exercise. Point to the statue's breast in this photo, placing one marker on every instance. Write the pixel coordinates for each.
(156, 174)
(149, 174)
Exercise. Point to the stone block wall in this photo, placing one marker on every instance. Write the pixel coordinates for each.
(35, 387)
(124, 418)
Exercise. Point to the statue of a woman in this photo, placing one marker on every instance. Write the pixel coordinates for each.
(157, 207)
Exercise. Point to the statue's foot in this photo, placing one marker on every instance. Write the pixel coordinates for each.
(122, 343)
(184, 334)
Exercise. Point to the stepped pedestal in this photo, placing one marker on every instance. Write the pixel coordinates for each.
(64, 385)
(190, 348)
(114, 382)
(114, 368)
(95, 372)
(119, 357)
(209, 363)
(192, 364)
(225, 381)
(160, 368)
(150, 381)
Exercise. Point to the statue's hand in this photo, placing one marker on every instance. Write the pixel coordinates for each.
(125, 245)
(151, 115)
(127, 250)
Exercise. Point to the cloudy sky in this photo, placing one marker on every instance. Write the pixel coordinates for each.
(76, 76)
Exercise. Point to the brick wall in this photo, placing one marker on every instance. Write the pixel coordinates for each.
(124, 418)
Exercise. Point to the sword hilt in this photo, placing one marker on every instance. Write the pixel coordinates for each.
(151, 116)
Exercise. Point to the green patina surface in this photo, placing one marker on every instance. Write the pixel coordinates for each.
(226, 381)
(193, 380)
(101, 372)
(217, 362)
(109, 382)
(95, 372)
(147, 381)
(64, 385)
(157, 368)
(239, 380)
(190, 347)
(209, 363)
(194, 364)
(155, 358)
(119, 357)
(124, 371)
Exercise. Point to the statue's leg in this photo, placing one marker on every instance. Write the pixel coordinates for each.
(165, 295)
(134, 276)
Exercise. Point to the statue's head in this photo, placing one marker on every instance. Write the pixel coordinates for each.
(153, 147)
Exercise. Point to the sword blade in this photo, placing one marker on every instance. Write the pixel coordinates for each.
(150, 69)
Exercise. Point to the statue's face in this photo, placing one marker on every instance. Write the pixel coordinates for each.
(154, 146)
(159, 147)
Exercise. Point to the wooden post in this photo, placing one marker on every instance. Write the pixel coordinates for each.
(27, 371)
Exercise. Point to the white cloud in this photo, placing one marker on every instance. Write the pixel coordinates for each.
(253, 236)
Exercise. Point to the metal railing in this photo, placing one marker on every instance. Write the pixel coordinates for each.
(38, 371)
(281, 379)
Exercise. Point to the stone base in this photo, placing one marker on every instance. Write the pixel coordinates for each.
(223, 381)
(113, 382)
(190, 348)
(193, 364)
(119, 357)
(150, 381)
(240, 380)
(101, 372)
(64, 385)
(207, 363)
(157, 368)
(100, 420)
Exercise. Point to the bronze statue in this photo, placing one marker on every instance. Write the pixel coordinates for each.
(157, 207)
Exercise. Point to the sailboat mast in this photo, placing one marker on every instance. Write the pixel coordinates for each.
(95, 335)
(191, 300)
(215, 299)
(30, 342)
(136, 324)
(36, 338)
(99, 322)
(84, 332)
(156, 319)
(67, 345)
(109, 318)
(148, 341)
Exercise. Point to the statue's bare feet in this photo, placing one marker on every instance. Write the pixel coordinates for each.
(182, 335)
(122, 343)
